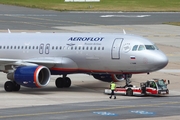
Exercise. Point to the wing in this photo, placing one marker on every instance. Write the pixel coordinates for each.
(50, 62)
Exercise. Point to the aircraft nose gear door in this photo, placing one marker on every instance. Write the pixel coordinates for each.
(115, 51)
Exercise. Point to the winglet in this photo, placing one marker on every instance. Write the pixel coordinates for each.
(124, 31)
(9, 31)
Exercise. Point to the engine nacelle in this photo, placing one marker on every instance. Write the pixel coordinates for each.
(31, 76)
(110, 77)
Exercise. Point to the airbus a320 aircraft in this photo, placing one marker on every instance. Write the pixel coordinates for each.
(29, 59)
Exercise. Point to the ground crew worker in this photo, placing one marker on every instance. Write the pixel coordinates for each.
(112, 86)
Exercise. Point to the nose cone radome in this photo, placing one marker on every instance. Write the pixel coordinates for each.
(160, 61)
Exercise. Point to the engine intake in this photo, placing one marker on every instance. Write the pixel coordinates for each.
(31, 76)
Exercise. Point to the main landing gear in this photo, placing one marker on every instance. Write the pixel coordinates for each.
(10, 86)
(63, 82)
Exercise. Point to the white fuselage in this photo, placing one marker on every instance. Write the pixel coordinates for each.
(81, 52)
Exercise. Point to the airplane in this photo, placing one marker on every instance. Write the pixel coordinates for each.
(29, 59)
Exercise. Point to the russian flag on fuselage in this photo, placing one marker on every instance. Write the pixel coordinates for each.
(132, 57)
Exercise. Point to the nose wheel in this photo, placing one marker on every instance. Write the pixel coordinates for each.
(63, 82)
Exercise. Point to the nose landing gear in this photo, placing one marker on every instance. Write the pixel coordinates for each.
(127, 79)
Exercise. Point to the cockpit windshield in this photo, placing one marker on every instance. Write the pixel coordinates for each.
(150, 47)
(135, 47)
(144, 47)
(141, 47)
(161, 84)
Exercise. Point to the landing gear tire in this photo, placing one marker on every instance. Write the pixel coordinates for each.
(67, 82)
(59, 83)
(10, 86)
(16, 87)
(129, 92)
(63, 82)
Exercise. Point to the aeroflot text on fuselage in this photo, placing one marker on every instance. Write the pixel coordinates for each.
(85, 38)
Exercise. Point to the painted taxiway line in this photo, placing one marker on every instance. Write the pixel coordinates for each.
(88, 110)
(130, 16)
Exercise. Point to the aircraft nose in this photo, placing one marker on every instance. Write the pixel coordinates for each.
(160, 61)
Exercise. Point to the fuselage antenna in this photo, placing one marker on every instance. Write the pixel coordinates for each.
(9, 31)
(124, 31)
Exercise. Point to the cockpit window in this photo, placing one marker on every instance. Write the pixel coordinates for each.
(150, 47)
(141, 47)
(144, 47)
(135, 48)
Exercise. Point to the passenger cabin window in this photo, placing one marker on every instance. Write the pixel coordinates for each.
(94, 48)
(135, 48)
(141, 47)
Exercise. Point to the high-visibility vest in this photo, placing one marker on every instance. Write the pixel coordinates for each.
(113, 86)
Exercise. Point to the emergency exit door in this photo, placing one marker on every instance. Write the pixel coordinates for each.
(116, 46)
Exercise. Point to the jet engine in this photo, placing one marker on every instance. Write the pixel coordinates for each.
(110, 77)
(30, 76)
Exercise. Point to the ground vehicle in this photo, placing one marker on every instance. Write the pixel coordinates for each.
(150, 87)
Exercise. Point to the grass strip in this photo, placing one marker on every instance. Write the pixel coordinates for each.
(103, 5)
